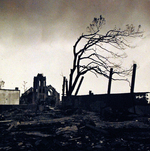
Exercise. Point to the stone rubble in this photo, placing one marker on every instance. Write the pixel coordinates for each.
(54, 130)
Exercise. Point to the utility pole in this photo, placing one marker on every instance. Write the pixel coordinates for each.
(133, 78)
(110, 79)
(132, 85)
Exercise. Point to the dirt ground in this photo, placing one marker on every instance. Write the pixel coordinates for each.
(57, 130)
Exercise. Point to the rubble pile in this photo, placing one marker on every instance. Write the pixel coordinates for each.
(55, 130)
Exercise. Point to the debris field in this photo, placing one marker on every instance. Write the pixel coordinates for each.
(73, 130)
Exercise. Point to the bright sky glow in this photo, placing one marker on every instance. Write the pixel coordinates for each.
(37, 36)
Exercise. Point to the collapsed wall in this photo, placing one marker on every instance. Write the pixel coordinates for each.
(97, 103)
(9, 96)
(40, 93)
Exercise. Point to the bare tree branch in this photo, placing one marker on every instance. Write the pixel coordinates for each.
(94, 57)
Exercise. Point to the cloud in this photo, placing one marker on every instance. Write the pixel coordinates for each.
(38, 35)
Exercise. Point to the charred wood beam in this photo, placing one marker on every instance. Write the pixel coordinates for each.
(110, 79)
(66, 87)
(133, 79)
(79, 85)
(132, 85)
(63, 86)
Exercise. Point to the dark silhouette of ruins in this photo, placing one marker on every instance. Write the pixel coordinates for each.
(40, 94)
(99, 102)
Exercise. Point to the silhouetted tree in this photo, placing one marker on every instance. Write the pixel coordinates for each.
(24, 86)
(92, 55)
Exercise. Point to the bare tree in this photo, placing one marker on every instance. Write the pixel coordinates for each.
(91, 53)
(24, 86)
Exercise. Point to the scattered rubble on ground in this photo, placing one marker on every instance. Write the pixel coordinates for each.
(79, 130)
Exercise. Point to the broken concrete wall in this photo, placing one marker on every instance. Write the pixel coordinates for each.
(27, 97)
(39, 89)
(9, 97)
(98, 102)
(40, 93)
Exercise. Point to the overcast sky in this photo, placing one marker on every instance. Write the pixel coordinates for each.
(37, 36)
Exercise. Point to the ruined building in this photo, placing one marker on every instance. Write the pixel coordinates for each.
(9, 96)
(115, 102)
(40, 93)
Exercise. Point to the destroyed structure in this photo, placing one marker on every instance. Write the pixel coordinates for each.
(23, 128)
(40, 93)
(9, 96)
(110, 102)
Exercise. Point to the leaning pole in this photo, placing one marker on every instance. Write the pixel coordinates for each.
(132, 85)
